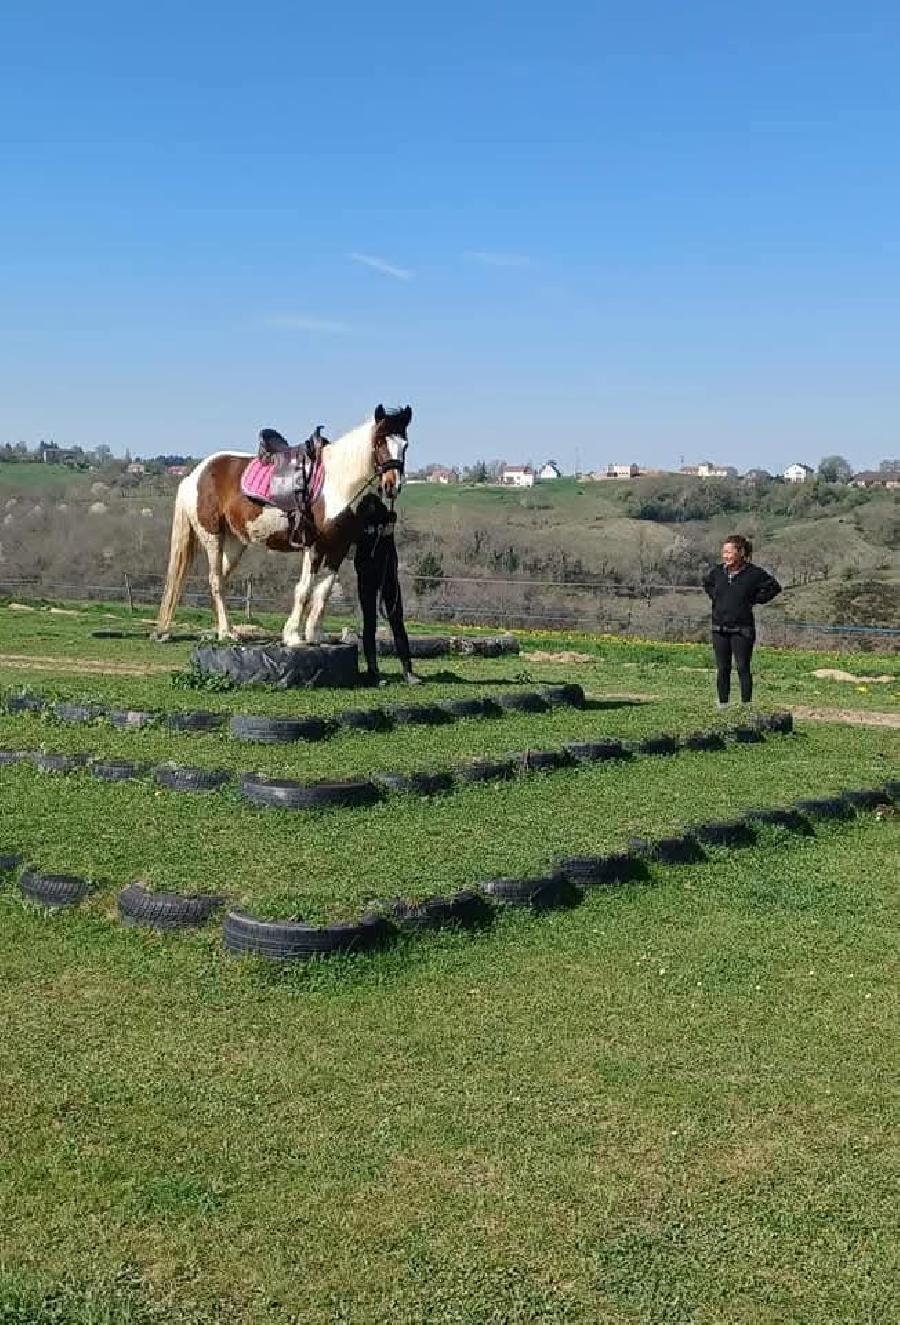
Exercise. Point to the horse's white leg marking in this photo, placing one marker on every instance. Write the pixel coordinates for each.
(319, 599)
(291, 634)
(232, 551)
(212, 545)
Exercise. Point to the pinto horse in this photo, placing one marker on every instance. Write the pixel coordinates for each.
(212, 512)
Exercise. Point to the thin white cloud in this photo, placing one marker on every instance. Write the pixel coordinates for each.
(497, 259)
(379, 264)
(304, 322)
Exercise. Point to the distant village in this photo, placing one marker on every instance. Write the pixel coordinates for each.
(497, 473)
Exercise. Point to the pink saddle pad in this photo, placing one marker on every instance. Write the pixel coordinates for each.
(256, 480)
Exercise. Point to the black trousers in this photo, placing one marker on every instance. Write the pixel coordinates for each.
(728, 647)
(377, 577)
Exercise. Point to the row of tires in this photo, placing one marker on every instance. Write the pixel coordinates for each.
(421, 646)
(280, 731)
(387, 919)
(351, 793)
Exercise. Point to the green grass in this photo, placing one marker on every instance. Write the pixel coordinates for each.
(672, 1104)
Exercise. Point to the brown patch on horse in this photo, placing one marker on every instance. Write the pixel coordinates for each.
(215, 491)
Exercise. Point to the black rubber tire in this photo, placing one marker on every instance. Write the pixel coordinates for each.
(9, 860)
(415, 784)
(288, 940)
(467, 708)
(53, 890)
(724, 833)
(791, 820)
(824, 807)
(190, 779)
(275, 665)
(744, 735)
(417, 715)
(703, 741)
(680, 850)
(522, 701)
(364, 720)
(544, 893)
(617, 867)
(663, 744)
(892, 789)
(429, 913)
(139, 906)
(487, 646)
(23, 704)
(131, 719)
(865, 798)
(781, 722)
(277, 731)
(568, 695)
(117, 770)
(286, 794)
(195, 720)
(420, 646)
(79, 712)
(120, 634)
(16, 757)
(589, 752)
(49, 762)
(540, 761)
(485, 770)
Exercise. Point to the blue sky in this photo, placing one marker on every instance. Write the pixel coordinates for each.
(590, 231)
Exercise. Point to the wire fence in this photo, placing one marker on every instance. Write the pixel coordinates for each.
(653, 610)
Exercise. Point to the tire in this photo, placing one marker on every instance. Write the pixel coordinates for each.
(9, 860)
(724, 833)
(79, 712)
(16, 757)
(275, 665)
(131, 719)
(119, 634)
(415, 784)
(465, 909)
(865, 799)
(791, 820)
(288, 795)
(744, 735)
(364, 720)
(540, 894)
(824, 807)
(138, 906)
(569, 695)
(190, 779)
(892, 789)
(485, 770)
(195, 720)
(658, 745)
(486, 646)
(52, 890)
(589, 752)
(781, 722)
(57, 763)
(23, 704)
(417, 715)
(117, 770)
(277, 731)
(522, 701)
(589, 871)
(703, 741)
(466, 708)
(539, 761)
(681, 850)
(288, 940)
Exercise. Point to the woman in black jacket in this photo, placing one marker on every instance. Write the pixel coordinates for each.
(735, 588)
(377, 577)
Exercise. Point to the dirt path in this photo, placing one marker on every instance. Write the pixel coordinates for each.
(30, 662)
(856, 717)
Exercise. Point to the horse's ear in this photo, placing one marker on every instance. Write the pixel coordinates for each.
(379, 413)
(407, 416)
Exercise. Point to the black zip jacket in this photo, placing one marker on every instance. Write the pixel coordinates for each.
(734, 597)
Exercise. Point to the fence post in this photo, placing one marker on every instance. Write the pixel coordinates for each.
(248, 598)
(128, 594)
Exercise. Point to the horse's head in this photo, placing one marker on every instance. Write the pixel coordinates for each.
(389, 443)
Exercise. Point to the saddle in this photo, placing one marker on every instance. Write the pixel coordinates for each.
(289, 478)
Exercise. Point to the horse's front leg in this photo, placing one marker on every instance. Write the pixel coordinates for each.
(320, 597)
(291, 636)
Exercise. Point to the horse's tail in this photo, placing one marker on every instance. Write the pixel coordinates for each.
(182, 547)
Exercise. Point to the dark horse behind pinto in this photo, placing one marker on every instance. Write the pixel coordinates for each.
(212, 511)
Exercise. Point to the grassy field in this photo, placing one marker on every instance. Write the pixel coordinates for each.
(671, 1104)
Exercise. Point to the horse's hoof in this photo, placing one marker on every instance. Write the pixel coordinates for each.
(160, 636)
(292, 641)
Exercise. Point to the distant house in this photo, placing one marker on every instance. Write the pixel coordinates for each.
(708, 470)
(440, 474)
(178, 471)
(798, 473)
(757, 475)
(136, 467)
(550, 470)
(517, 476)
(876, 478)
(622, 471)
(51, 454)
